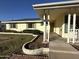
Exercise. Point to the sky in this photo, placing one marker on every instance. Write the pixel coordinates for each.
(19, 9)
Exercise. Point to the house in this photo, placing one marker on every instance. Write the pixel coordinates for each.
(2, 27)
(63, 18)
(24, 24)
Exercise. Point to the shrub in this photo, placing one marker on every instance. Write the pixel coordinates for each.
(33, 31)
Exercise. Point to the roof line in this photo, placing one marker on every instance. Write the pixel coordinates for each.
(55, 3)
(21, 21)
(56, 7)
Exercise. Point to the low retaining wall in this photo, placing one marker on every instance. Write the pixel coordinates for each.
(39, 51)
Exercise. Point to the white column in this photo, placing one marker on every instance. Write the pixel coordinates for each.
(48, 17)
(69, 19)
(44, 17)
(48, 28)
(48, 31)
(74, 25)
(44, 33)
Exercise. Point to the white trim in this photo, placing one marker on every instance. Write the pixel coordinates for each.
(54, 7)
(16, 33)
(55, 3)
(21, 21)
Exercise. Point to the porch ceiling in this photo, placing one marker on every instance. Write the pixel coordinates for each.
(55, 13)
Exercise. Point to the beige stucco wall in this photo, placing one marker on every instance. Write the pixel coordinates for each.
(58, 24)
(19, 27)
(7, 26)
(39, 26)
(23, 26)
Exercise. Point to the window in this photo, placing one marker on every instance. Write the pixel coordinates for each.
(13, 25)
(66, 23)
(30, 25)
(77, 22)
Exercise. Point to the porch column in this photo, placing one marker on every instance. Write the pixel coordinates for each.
(74, 25)
(48, 28)
(44, 33)
(69, 19)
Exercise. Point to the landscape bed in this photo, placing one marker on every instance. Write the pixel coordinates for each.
(76, 47)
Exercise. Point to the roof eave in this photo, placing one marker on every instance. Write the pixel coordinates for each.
(55, 4)
(55, 7)
(21, 21)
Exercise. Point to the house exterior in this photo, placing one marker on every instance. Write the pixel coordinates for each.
(63, 18)
(24, 24)
(2, 27)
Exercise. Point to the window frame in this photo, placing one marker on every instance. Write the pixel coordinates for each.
(31, 25)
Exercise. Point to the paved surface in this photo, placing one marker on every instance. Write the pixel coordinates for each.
(27, 57)
(62, 50)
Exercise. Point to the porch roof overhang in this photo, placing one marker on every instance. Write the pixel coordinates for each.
(54, 5)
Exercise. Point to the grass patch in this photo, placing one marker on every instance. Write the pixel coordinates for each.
(12, 43)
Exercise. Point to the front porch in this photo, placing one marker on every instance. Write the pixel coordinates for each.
(64, 22)
(63, 18)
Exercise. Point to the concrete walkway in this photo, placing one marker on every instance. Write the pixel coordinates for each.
(61, 50)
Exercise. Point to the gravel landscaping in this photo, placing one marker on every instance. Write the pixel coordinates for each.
(37, 43)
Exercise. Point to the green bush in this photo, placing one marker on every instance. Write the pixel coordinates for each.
(33, 31)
